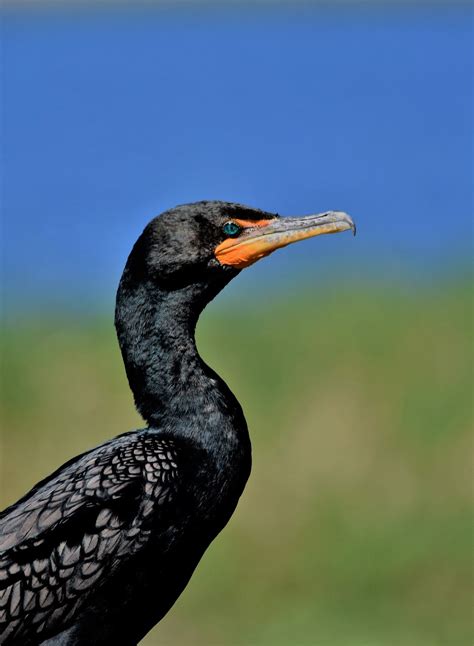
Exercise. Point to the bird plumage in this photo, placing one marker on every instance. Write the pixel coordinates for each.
(69, 549)
(99, 551)
(83, 522)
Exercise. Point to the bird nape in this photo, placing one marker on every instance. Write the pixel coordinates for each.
(98, 552)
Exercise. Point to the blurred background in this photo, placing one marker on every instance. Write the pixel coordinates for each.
(351, 357)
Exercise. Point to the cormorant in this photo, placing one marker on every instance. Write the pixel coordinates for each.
(98, 552)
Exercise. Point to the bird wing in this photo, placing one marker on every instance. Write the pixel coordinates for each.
(57, 543)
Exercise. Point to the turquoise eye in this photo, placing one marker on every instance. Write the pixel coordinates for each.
(231, 229)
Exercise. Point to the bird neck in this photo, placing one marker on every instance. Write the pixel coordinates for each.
(172, 385)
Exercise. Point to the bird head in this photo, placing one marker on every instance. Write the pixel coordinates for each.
(214, 240)
(181, 261)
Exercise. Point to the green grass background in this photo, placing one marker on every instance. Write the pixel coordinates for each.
(355, 527)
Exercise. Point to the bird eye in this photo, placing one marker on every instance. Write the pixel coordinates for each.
(231, 229)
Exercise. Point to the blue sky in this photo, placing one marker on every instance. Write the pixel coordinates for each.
(113, 116)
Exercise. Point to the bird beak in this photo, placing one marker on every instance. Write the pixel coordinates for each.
(264, 236)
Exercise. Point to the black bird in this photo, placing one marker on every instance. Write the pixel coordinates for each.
(98, 552)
